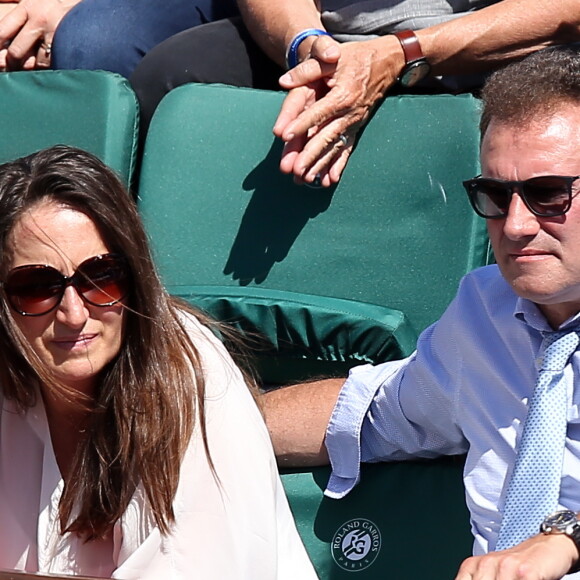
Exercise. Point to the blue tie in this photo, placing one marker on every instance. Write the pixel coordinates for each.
(534, 488)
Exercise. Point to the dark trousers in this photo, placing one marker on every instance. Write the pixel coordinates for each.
(219, 52)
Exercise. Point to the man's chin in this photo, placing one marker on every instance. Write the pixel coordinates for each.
(532, 288)
(531, 280)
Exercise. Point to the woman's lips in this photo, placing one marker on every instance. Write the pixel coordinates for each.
(74, 342)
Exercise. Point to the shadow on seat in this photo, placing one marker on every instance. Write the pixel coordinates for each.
(377, 256)
(406, 521)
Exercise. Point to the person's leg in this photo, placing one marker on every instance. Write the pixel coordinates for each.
(114, 35)
(219, 52)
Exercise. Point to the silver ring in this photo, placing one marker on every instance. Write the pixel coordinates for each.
(316, 183)
(342, 137)
(47, 47)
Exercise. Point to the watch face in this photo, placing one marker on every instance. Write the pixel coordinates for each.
(414, 72)
(560, 520)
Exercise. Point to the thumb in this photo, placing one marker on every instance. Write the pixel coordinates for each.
(325, 49)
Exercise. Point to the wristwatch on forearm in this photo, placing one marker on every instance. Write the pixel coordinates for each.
(564, 522)
(416, 66)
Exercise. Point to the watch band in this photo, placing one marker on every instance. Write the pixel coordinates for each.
(564, 522)
(416, 67)
(410, 44)
(574, 535)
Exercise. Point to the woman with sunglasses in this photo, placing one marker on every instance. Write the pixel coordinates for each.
(130, 445)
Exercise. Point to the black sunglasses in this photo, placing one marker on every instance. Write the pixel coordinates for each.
(544, 196)
(34, 289)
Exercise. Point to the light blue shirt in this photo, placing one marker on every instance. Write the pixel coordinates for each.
(465, 390)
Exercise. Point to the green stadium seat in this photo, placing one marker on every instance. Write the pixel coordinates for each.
(93, 110)
(387, 527)
(385, 248)
(397, 231)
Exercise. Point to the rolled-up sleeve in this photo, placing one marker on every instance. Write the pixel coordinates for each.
(344, 429)
(397, 410)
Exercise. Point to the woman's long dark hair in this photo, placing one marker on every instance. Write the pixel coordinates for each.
(150, 395)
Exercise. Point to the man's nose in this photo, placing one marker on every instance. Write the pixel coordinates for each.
(520, 221)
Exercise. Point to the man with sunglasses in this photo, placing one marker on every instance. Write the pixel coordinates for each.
(498, 376)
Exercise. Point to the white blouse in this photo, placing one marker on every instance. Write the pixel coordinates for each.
(239, 528)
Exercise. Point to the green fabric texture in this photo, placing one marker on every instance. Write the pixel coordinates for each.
(396, 231)
(93, 110)
(418, 508)
(299, 336)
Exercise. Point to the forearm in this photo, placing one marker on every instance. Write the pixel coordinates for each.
(297, 418)
(274, 24)
(496, 34)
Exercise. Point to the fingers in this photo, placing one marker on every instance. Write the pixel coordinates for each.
(320, 107)
(338, 164)
(318, 150)
(43, 53)
(351, 89)
(315, 160)
(25, 45)
(6, 8)
(497, 567)
(307, 72)
(27, 31)
(22, 39)
(308, 146)
(542, 557)
(327, 166)
(324, 55)
(11, 23)
(295, 102)
(29, 64)
(331, 95)
(325, 49)
(290, 153)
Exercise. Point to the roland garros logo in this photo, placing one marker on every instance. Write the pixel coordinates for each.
(356, 545)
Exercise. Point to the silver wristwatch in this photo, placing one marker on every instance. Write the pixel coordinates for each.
(564, 522)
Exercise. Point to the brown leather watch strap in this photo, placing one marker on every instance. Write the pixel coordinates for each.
(410, 44)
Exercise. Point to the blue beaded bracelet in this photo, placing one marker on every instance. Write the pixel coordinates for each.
(292, 52)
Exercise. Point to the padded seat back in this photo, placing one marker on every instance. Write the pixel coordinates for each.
(92, 110)
(396, 231)
(327, 272)
(405, 521)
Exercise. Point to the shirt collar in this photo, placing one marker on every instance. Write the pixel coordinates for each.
(529, 313)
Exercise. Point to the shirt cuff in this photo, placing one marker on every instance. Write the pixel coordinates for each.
(344, 428)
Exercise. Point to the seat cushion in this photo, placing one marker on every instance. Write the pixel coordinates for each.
(296, 337)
